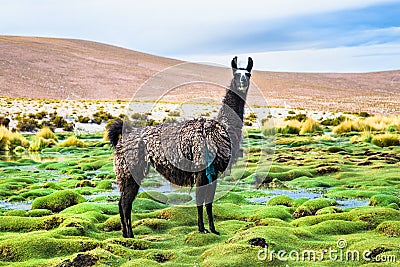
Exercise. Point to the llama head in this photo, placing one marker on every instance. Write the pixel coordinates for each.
(241, 76)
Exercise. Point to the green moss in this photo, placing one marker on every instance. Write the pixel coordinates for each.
(26, 224)
(21, 213)
(328, 210)
(225, 255)
(374, 216)
(154, 195)
(299, 201)
(311, 220)
(144, 205)
(37, 193)
(337, 227)
(84, 183)
(153, 223)
(52, 185)
(112, 224)
(16, 199)
(310, 207)
(230, 197)
(241, 173)
(39, 213)
(350, 193)
(92, 166)
(141, 262)
(289, 175)
(198, 239)
(257, 178)
(58, 201)
(270, 212)
(383, 200)
(106, 208)
(390, 228)
(228, 226)
(272, 222)
(393, 206)
(178, 198)
(280, 200)
(104, 184)
(181, 215)
(30, 246)
(131, 243)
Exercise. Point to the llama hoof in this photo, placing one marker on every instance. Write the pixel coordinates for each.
(215, 232)
(204, 231)
(130, 235)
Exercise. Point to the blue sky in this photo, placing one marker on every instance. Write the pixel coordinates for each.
(284, 35)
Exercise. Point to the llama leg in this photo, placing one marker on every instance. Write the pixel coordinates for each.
(199, 203)
(122, 217)
(209, 201)
(128, 194)
(200, 198)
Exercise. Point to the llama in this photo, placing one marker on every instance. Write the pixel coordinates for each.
(188, 153)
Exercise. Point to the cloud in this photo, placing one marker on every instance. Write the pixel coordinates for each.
(340, 59)
(181, 29)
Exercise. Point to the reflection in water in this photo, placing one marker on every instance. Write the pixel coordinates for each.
(36, 156)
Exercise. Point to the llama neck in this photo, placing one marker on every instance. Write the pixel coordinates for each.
(232, 110)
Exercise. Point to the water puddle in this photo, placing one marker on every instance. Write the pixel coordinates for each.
(295, 194)
(25, 205)
(304, 193)
(352, 203)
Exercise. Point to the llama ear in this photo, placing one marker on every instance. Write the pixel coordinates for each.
(234, 63)
(249, 64)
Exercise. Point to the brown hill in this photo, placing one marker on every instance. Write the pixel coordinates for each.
(61, 68)
(75, 69)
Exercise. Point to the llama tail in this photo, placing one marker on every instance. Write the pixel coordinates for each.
(115, 132)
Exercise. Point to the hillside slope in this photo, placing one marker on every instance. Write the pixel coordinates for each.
(75, 69)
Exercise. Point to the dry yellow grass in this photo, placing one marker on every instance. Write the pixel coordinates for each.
(382, 123)
(72, 141)
(376, 123)
(347, 126)
(46, 133)
(310, 126)
(10, 140)
(5, 136)
(293, 127)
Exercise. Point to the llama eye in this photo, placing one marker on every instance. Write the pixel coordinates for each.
(248, 75)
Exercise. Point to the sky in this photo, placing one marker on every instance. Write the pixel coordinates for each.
(282, 35)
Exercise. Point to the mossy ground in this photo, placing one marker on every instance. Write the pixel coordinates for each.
(89, 232)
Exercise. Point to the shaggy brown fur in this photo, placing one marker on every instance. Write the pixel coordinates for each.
(188, 153)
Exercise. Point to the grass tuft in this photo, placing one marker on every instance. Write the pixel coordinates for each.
(385, 140)
(46, 133)
(310, 126)
(72, 141)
